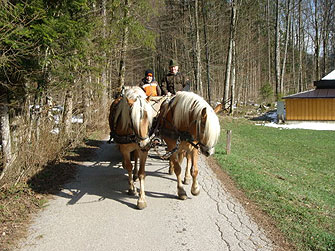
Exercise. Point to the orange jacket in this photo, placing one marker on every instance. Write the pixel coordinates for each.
(151, 89)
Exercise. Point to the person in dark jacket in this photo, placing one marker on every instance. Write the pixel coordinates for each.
(174, 81)
(150, 85)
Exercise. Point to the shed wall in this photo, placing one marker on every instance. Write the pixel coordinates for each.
(310, 109)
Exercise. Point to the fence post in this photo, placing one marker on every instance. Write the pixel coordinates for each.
(228, 147)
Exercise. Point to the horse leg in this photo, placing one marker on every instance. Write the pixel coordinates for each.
(171, 167)
(177, 170)
(195, 190)
(170, 145)
(188, 177)
(141, 203)
(129, 167)
(135, 171)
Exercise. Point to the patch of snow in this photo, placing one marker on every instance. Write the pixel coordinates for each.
(310, 125)
(56, 119)
(304, 125)
(57, 108)
(55, 131)
(79, 119)
(330, 76)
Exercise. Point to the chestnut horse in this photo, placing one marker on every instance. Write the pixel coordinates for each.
(130, 120)
(187, 123)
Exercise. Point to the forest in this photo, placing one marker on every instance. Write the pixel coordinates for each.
(67, 58)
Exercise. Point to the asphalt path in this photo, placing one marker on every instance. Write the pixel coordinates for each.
(94, 212)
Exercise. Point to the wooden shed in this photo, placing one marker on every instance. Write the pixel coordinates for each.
(313, 105)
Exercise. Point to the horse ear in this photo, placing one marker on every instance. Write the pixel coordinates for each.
(218, 108)
(130, 101)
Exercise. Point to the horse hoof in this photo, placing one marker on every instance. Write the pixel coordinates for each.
(132, 192)
(187, 181)
(141, 205)
(195, 192)
(182, 194)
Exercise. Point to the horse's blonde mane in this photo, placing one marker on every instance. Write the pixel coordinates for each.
(188, 103)
(131, 116)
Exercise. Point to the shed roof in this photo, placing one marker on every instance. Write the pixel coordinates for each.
(317, 93)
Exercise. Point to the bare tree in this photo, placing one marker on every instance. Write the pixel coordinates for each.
(277, 51)
(316, 40)
(124, 45)
(287, 30)
(230, 55)
(67, 116)
(300, 46)
(268, 39)
(204, 16)
(104, 93)
(197, 50)
(5, 135)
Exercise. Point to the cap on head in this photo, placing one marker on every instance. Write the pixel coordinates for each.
(173, 63)
(149, 73)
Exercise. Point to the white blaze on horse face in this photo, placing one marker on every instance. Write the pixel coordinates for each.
(144, 126)
(144, 130)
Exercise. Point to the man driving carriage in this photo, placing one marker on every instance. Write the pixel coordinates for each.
(174, 81)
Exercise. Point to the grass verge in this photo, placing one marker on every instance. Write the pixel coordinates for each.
(289, 174)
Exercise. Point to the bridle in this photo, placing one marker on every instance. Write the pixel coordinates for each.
(134, 137)
(180, 136)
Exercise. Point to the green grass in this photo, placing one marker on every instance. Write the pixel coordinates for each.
(290, 174)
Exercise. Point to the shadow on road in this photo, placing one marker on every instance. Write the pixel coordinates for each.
(95, 170)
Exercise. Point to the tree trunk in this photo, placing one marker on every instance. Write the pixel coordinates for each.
(124, 46)
(204, 16)
(104, 93)
(194, 46)
(328, 10)
(300, 41)
(67, 116)
(293, 57)
(233, 80)
(197, 50)
(5, 135)
(316, 41)
(229, 56)
(288, 20)
(269, 42)
(277, 52)
(233, 69)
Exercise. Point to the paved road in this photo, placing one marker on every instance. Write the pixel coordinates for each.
(95, 213)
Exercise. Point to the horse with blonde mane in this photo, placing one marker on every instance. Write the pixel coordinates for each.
(130, 120)
(188, 125)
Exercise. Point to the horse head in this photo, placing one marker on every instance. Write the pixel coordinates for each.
(194, 115)
(208, 129)
(141, 117)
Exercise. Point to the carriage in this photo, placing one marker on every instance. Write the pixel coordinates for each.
(185, 122)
